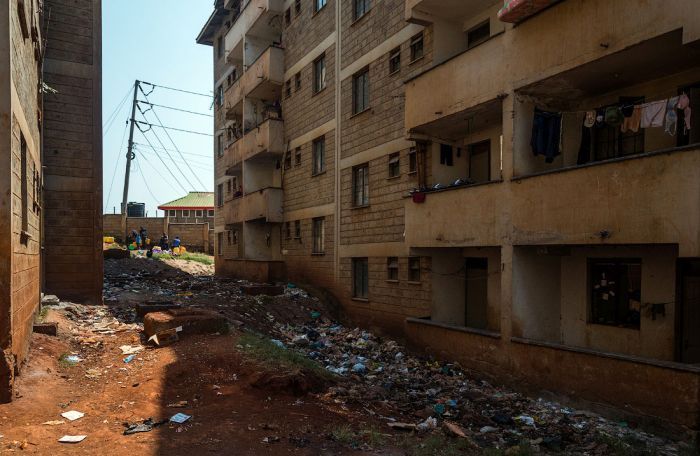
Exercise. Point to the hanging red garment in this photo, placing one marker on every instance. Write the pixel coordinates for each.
(515, 11)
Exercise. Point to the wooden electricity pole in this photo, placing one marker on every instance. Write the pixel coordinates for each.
(129, 157)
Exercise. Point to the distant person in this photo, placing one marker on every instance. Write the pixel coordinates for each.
(132, 237)
(176, 242)
(144, 236)
(164, 242)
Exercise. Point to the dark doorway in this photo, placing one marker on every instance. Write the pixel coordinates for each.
(689, 319)
(476, 311)
(480, 161)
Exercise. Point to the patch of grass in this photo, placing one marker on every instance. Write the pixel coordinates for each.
(187, 256)
(64, 362)
(42, 314)
(344, 435)
(276, 357)
(626, 446)
(435, 445)
(373, 436)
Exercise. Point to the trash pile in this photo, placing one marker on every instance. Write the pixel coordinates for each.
(422, 395)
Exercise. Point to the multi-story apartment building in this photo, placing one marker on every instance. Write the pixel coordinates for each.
(553, 239)
(50, 144)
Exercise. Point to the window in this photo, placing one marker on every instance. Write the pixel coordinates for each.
(297, 229)
(361, 7)
(319, 156)
(615, 292)
(318, 4)
(417, 47)
(446, 157)
(220, 146)
(297, 156)
(320, 74)
(229, 236)
(288, 16)
(219, 195)
(229, 186)
(231, 78)
(480, 161)
(318, 233)
(394, 165)
(414, 269)
(297, 7)
(220, 243)
(220, 95)
(171, 213)
(360, 91)
(610, 142)
(392, 269)
(24, 185)
(288, 89)
(297, 82)
(288, 230)
(288, 159)
(234, 237)
(211, 213)
(199, 213)
(185, 214)
(478, 34)
(412, 161)
(220, 46)
(395, 60)
(360, 185)
(360, 278)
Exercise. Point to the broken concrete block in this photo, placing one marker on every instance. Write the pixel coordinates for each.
(193, 321)
(153, 306)
(50, 300)
(50, 329)
(268, 290)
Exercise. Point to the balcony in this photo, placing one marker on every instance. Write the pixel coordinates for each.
(264, 141)
(232, 211)
(264, 205)
(233, 100)
(232, 157)
(265, 77)
(256, 19)
(647, 199)
(533, 51)
(427, 11)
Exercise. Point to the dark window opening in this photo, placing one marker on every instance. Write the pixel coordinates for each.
(360, 278)
(394, 165)
(320, 74)
(412, 161)
(297, 229)
(318, 233)
(297, 156)
(392, 269)
(414, 269)
(615, 287)
(446, 155)
(417, 47)
(360, 91)
(395, 60)
(480, 161)
(360, 185)
(478, 34)
(476, 311)
(361, 7)
(319, 155)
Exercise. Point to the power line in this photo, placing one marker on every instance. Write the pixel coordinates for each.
(161, 160)
(144, 179)
(116, 166)
(175, 129)
(178, 150)
(177, 90)
(113, 116)
(200, 165)
(186, 153)
(152, 167)
(176, 109)
(172, 160)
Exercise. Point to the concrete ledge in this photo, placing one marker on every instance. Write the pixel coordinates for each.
(478, 332)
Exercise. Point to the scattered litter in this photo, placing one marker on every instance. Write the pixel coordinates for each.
(179, 418)
(129, 359)
(71, 359)
(427, 425)
(72, 438)
(93, 373)
(279, 343)
(54, 423)
(180, 404)
(455, 429)
(526, 420)
(144, 426)
(167, 337)
(272, 439)
(72, 415)
(487, 429)
(403, 426)
(131, 350)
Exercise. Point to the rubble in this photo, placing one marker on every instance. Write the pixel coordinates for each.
(390, 384)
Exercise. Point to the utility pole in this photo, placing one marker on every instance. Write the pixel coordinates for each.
(129, 156)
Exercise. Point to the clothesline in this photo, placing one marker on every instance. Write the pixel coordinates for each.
(658, 98)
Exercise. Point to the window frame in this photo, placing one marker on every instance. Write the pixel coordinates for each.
(172, 213)
(288, 230)
(210, 213)
(297, 82)
(288, 89)
(318, 165)
(220, 95)
(220, 145)
(220, 195)
(416, 39)
(288, 17)
(24, 186)
(287, 160)
(394, 166)
(185, 213)
(395, 60)
(479, 38)
(297, 229)
(220, 243)
(616, 264)
(220, 47)
(319, 73)
(412, 160)
(360, 8)
(297, 156)
(360, 278)
(319, 5)
(198, 213)
(361, 88)
(360, 190)
(412, 269)
(392, 269)
(318, 236)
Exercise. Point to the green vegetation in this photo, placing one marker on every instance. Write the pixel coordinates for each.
(434, 445)
(42, 314)
(626, 446)
(276, 357)
(187, 256)
(63, 360)
(344, 435)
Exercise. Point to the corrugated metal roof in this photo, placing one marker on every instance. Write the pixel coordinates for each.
(193, 200)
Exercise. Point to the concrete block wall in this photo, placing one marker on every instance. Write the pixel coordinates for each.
(73, 150)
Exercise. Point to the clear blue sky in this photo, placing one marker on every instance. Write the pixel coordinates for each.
(154, 41)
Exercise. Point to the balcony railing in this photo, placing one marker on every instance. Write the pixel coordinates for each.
(263, 205)
(264, 78)
(256, 14)
(265, 139)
